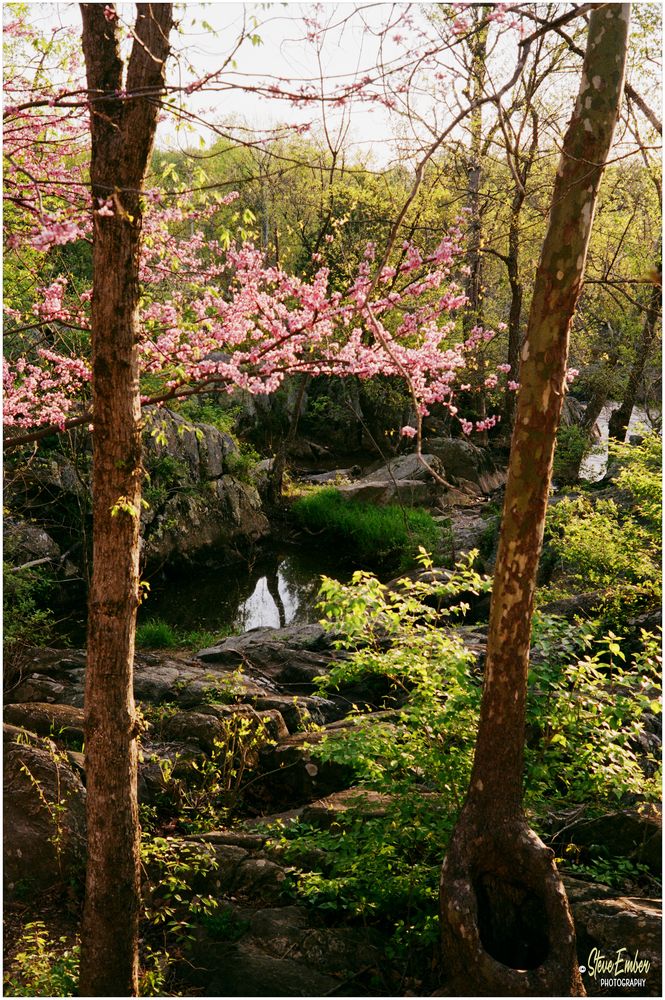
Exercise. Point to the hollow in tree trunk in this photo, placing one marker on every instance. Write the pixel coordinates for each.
(122, 129)
(506, 924)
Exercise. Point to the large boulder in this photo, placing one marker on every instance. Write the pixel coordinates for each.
(635, 834)
(198, 509)
(292, 656)
(44, 814)
(206, 525)
(617, 928)
(59, 721)
(404, 480)
(466, 463)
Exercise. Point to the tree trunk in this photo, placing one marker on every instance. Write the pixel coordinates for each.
(506, 925)
(473, 314)
(621, 418)
(122, 137)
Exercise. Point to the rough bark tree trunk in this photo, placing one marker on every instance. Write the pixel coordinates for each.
(473, 286)
(506, 925)
(523, 167)
(621, 417)
(122, 129)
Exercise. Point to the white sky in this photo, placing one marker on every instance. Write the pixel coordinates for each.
(283, 54)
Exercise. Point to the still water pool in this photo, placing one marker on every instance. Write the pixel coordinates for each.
(279, 588)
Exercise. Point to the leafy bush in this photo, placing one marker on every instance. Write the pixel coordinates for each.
(585, 713)
(573, 444)
(386, 868)
(41, 966)
(613, 544)
(376, 536)
(26, 622)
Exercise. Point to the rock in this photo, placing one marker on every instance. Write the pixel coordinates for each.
(25, 542)
(243, 970)
(203, 526)
(403, 480)
(332, 810)
(409, 467)
(635, 834)
(582, 605)
(299, 711)
(409, 492)
(292, 657)
(197, 510)
(259, 880)
(214, 724)
(468, 529)
(466, 463)
(44, 816)
(608, 923)
(290, 776)
(59, 721)
(334, 476)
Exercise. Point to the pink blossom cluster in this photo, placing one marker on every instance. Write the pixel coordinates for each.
(48, 390)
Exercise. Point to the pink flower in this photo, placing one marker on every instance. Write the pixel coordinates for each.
(105, 206)
(408, 432)
(513, 386)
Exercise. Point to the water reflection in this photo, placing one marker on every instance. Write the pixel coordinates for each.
(279, 589)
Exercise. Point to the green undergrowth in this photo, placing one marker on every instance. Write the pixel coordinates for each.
(587, 700)
(155, 633)
(611, 544)
(379, 537)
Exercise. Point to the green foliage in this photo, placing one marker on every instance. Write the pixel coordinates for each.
(612, 871)
(418, 757)
(155, 633)
(613, 544)
(26, 622)
(203, 793)
(573, 444)
(585, 714)
(41, 966)
(374, 536)
(379, 861)
(176, 902)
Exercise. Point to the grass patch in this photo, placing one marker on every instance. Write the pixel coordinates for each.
(380, 537)
(155, 633)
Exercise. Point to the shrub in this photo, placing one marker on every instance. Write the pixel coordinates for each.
(613, 544)
(26, 622)
(41, 966)
(380, 537)
(573, 444)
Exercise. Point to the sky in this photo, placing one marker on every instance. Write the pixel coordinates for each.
(207, 36)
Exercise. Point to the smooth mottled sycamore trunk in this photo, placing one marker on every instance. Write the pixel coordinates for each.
(122, 132)
(506, 925)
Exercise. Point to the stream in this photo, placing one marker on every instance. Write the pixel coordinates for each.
(594, 465)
